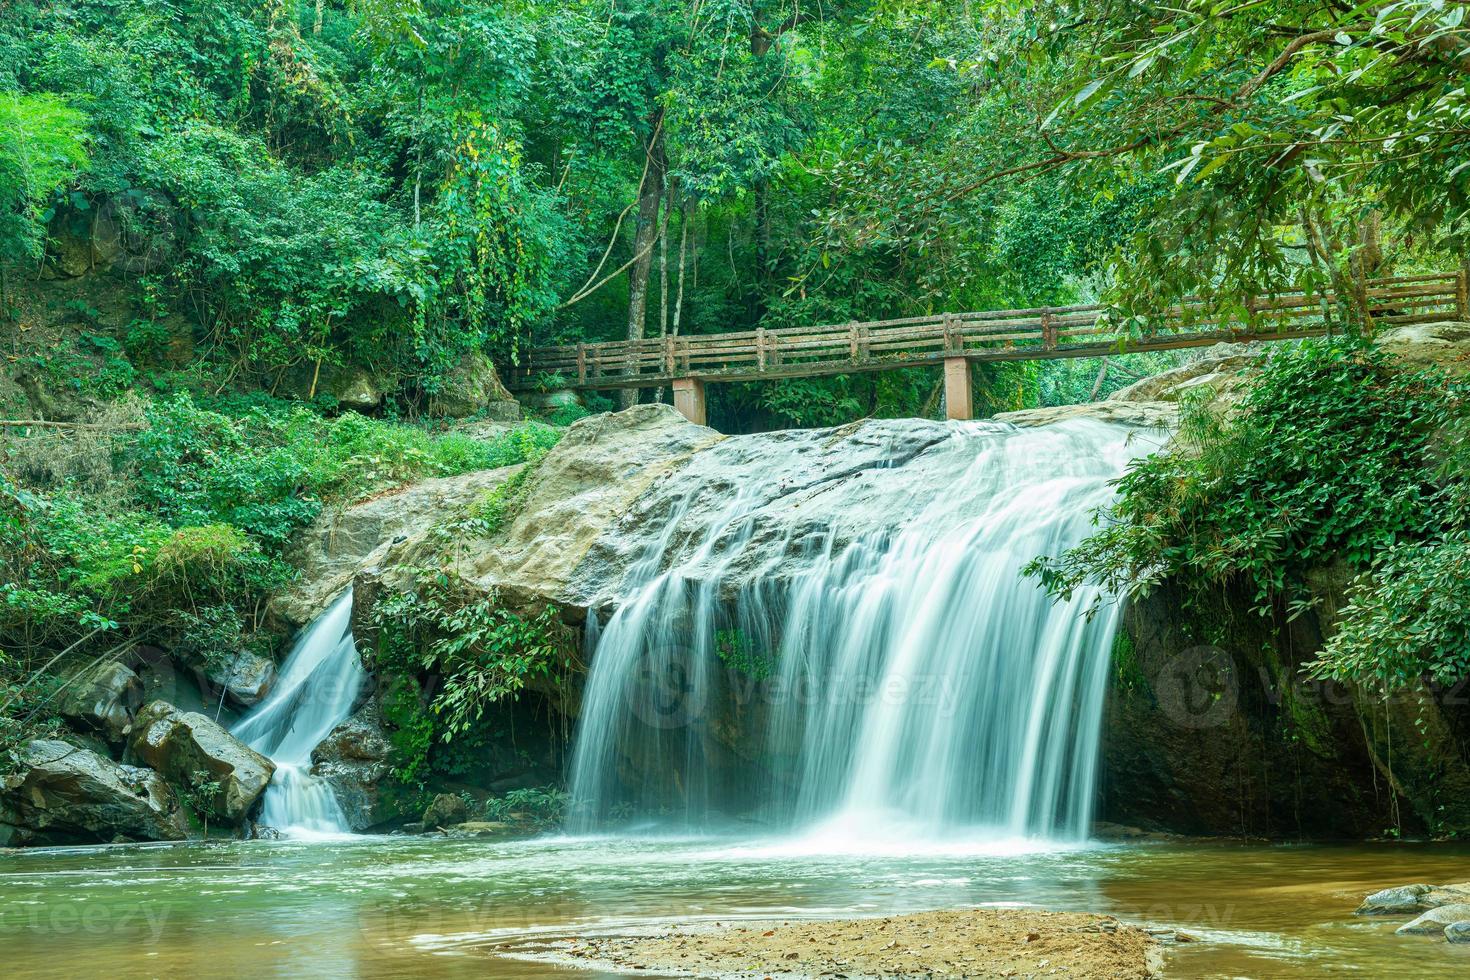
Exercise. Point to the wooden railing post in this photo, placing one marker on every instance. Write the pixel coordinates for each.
(581, 364)
(1462, 292)
(852, 340)
(760, 348)
(1048, 331)
(951, 336)
(669, 353)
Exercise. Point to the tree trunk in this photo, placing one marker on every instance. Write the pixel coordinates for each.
(683, 255)
(643, 241)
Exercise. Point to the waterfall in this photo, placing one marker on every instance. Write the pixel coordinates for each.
(904, 678)
(318, 683)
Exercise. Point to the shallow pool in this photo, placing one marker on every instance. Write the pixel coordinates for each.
(383, 907)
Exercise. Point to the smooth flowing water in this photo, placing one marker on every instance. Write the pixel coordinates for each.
(365, 907)
(319, 681)
(910, 676)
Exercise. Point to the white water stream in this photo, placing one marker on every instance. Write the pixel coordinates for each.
(319, 681)
(913, 685)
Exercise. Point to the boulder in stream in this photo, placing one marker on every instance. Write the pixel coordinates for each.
(354, 760)
(246, 677)
(446, 811)
(196, 751)
(61, 794)
(1433, 922)
(1413, 899)
(1458, 932)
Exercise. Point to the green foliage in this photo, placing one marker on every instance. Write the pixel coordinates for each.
(737, 652)
(269, 472)
(541, 807)
(199, 467)
(1407, 619)
(482, 652)
(1265, 146)
(1259, 494)
(188, 543)
(42, 145)
(1333, 455)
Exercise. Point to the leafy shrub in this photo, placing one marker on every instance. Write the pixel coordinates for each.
(1333, 455)
(543, 807)
(482, 651)
(1408, 618)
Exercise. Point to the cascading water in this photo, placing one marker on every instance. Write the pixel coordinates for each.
(906, 674)
(318, 684)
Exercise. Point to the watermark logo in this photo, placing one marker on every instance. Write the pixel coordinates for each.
(1198, 688)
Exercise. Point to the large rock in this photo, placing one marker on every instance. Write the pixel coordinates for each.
(104, 700)
(1445, 345)
(1457, 932)
(1401, 900)
(195, 751)
(1414, 899)
(1143, 413)
(446, 810)
(473, 388)
(354, 760)
(581, 489)
(354, 388)
(61, 794)
(1223, 367)
(1208, 705)
(244, 676)
(344, 540)
(1433, 922)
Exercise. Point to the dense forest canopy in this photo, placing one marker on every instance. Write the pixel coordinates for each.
(394, 182)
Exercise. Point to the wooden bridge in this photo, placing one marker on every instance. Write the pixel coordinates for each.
(954, 340)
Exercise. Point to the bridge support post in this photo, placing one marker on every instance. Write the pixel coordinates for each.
(689, 399)
(958, 403)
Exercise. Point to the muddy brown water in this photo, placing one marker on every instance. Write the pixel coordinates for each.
(396, 907)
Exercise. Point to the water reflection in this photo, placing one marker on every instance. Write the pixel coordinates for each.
(435, 908)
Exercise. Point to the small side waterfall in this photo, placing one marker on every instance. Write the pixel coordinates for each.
(319, 681)
(908, 679)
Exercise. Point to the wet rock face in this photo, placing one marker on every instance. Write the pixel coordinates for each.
(583, 486)
(1222, 367)
(104, 701)
(1210, 728)
(354, 760)
(245, 677)
(192, 749)
(783, 492)
(61, 794)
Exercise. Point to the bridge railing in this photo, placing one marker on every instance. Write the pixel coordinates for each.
(1031, 334)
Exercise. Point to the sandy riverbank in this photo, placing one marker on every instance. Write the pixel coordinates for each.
(978, 943)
